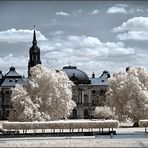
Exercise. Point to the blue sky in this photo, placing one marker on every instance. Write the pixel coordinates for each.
(92, 35)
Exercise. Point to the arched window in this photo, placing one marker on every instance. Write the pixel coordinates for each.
(74, 113)
(86, 114)
(85, 99)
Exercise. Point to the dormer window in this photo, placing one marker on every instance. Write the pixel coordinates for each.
(102, 80)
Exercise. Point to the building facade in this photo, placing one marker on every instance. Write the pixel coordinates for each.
(7, 82)
(87, 92)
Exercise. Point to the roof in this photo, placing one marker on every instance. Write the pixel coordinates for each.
(102, 80)
(99, 81)
(8, 82)
(12, 78)
(34, 48)
(12, 73)
(78, 74)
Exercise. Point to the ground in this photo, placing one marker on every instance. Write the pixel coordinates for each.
(126, 137)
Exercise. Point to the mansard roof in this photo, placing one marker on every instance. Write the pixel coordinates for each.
(102, 80)
(12, 78)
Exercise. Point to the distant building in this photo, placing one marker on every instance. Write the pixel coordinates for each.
(87, 92)
(7, 82)
(12, 78)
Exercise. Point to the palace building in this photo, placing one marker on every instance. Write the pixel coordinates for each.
(87, 92)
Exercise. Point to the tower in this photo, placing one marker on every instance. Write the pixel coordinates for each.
(34, 54)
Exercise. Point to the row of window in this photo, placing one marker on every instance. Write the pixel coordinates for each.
(10, 80)
(101, 92)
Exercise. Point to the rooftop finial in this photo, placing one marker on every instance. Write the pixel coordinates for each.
(34, 28)
(69, 62)
(34, 37)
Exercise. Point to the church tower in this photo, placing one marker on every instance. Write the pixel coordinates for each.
(34, 54)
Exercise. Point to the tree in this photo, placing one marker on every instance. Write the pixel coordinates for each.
(103, 112)
(128, 93)
(47, 96)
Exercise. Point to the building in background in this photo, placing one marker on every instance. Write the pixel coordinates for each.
(7, 82)
(87, 92)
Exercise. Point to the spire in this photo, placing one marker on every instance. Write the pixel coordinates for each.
(34, 42)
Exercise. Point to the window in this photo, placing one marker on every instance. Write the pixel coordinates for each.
(93, 91)
(102, 80)
(86, 114)
(36, 58)
(85, 99)
(74, 113)
(10, 80)
(16, 80)
(102, 92)
(7, 92)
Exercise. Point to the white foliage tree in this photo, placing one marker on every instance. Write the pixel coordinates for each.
(47, 96)
(128, 93)
(103, 112)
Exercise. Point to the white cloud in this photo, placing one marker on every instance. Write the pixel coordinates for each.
(135, 28)
(133, 24)
(95, 12)
(83, 51)
(114, 9)
(139, 10)
(58, 32)
(62, 13)
(80, 10)
(19, 62)
(133, 35)
(121, 5)
(14, 36)
(124, 9)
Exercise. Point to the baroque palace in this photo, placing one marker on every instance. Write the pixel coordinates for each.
(87, 92)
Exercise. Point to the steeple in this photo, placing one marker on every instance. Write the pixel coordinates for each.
(34, 42)
(34, 53)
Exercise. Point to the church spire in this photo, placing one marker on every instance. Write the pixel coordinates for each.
(34, 54)
(34, 42)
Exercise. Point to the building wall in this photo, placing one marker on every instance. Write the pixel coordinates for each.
(87, 97)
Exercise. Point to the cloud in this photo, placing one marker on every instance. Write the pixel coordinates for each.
(62, 13)
(20, 63)
(121, 5)
(15, 36)
(58, 32)
(113, 10)
(83, 51)
(80, 10)
(135, 28)
(95, 12)
(124, 9)
(133, 35)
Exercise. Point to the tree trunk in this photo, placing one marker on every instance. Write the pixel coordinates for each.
(136, 124)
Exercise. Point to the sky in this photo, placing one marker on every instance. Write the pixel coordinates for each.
(92, 35)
